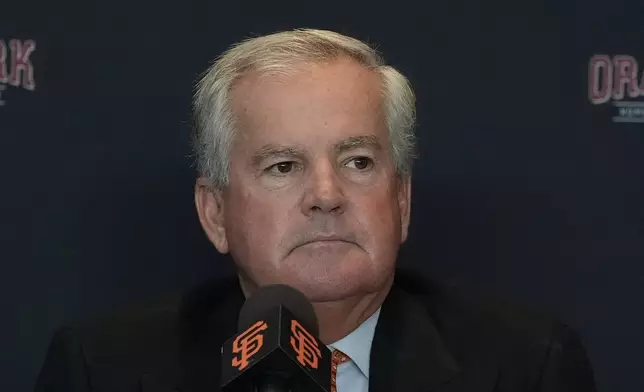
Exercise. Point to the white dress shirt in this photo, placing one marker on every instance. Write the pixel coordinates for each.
(353, 375)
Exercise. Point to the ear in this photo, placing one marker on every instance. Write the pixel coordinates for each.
(210, 208)
(404, 206)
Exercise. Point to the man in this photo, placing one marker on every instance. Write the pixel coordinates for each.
(305, 144)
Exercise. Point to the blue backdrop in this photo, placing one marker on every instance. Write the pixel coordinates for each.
(530, 182)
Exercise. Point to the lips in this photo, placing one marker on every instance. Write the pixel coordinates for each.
(326, 239)
(322, 239)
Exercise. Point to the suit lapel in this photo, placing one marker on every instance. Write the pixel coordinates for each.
(150, 383)
(214, 319)
(208, 316)
(410, 354)
(407, 353)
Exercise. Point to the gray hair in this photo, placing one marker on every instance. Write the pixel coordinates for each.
(279, 53)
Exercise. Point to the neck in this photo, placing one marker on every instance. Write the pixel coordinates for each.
(338, 319)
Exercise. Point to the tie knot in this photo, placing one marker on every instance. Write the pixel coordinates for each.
(339, 357)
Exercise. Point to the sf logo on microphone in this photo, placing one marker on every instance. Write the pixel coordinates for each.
(248, 344)
(305, 345)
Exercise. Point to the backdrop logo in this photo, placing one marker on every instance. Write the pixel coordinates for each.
(618, 80)
(16, 69)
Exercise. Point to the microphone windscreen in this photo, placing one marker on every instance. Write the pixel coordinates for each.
(269, 297)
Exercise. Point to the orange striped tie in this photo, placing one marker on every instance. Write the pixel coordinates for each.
(337, 358)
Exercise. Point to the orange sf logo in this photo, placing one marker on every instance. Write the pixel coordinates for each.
(248, 344)
(304, 345)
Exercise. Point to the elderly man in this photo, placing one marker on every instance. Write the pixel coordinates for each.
(305, 142)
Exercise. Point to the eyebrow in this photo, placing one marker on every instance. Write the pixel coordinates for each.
(358, 142)
(273, 150)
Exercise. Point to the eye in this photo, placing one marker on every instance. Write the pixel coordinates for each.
(360, 163)
(281, 167)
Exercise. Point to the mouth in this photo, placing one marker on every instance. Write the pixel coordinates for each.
(327, 240)
(324, 241)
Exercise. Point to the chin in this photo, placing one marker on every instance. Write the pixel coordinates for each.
(338, 285)
(325, 274)
(326, 292)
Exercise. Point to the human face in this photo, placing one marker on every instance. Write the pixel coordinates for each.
(313, 199)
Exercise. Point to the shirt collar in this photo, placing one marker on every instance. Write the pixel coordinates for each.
(357, 344)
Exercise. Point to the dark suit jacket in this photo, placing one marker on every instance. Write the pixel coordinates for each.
(429, 338)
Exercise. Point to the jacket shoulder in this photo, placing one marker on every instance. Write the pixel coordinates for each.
(148, 338)
(528, 347)
(469, 320)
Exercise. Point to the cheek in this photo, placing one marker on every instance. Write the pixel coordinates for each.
(381, 216)
(255, 221)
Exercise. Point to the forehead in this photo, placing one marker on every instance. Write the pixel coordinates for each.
(317, 102)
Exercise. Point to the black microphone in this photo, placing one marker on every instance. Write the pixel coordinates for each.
(277, 349)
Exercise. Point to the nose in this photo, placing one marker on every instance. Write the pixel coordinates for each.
(323, 191)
